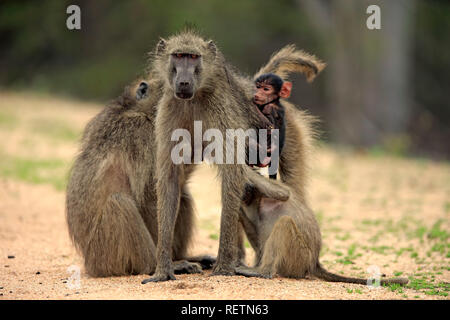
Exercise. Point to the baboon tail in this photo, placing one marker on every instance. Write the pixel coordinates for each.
(323, 274)
(289, 60)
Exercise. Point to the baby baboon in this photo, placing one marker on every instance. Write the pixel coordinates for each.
(284, 233)
(269, 89)
(200, 86)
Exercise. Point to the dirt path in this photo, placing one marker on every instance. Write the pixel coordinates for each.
(374, 210)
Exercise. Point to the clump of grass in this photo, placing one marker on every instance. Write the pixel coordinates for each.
(348, 259)
(428, 287)
(437, 233)
(395, 287)
(214, 236)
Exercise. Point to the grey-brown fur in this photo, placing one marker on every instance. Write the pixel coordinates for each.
(111, 195)
(221, 100)
(110, 202)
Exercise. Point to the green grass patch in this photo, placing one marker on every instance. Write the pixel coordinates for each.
(395, 287)
(36, 171)
(8, 120)
(56, 130)
(381, 249)
(428, 287)
(348, 259)
(214, 236)
(437, 233)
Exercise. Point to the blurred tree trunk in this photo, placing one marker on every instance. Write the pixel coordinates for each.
(368, 70)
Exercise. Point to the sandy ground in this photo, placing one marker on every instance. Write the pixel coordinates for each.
(374, 211)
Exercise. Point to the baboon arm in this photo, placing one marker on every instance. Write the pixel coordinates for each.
(268, 187)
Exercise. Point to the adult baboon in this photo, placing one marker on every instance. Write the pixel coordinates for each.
(200, 86)
(110, 203)
(284, 233)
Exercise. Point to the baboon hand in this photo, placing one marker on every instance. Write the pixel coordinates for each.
(187, 267)
(159, 277)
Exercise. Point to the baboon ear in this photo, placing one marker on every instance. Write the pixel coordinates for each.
(285, 91)
(142, 90)
(212, 47)
(161, 46)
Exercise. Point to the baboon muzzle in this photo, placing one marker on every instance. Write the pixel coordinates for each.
(184, 89)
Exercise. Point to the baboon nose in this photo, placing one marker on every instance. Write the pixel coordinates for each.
(184, 84)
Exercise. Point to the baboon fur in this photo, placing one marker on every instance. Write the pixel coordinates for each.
(222, 100)
(111, 195)
(284, 233)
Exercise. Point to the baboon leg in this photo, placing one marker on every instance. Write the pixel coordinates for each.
(241, 246)
(184, 228)
(285, 251)
(232, 191)
(120, 244)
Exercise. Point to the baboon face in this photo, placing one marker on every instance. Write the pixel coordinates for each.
(185, 73)
(187, 62)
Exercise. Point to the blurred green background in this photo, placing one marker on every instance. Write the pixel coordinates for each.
(383, 90)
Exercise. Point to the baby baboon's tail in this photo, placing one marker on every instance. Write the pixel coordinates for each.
(323, 274)
(289, 60)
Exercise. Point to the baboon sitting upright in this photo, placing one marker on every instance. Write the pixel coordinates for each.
(284, 233)
(199, 86)
(110, 202)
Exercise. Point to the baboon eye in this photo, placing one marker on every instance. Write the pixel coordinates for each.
(179, 55)
(194, 56)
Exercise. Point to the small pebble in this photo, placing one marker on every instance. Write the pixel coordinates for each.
(40, 282)
(1, 288)
(38, 272)
(11, 257)
(64, 281)
(6, 266)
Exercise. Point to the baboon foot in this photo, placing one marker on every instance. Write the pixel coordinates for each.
(207, 262)
(160, 277)
(250, 272)
(187, 267)
(221, 271)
